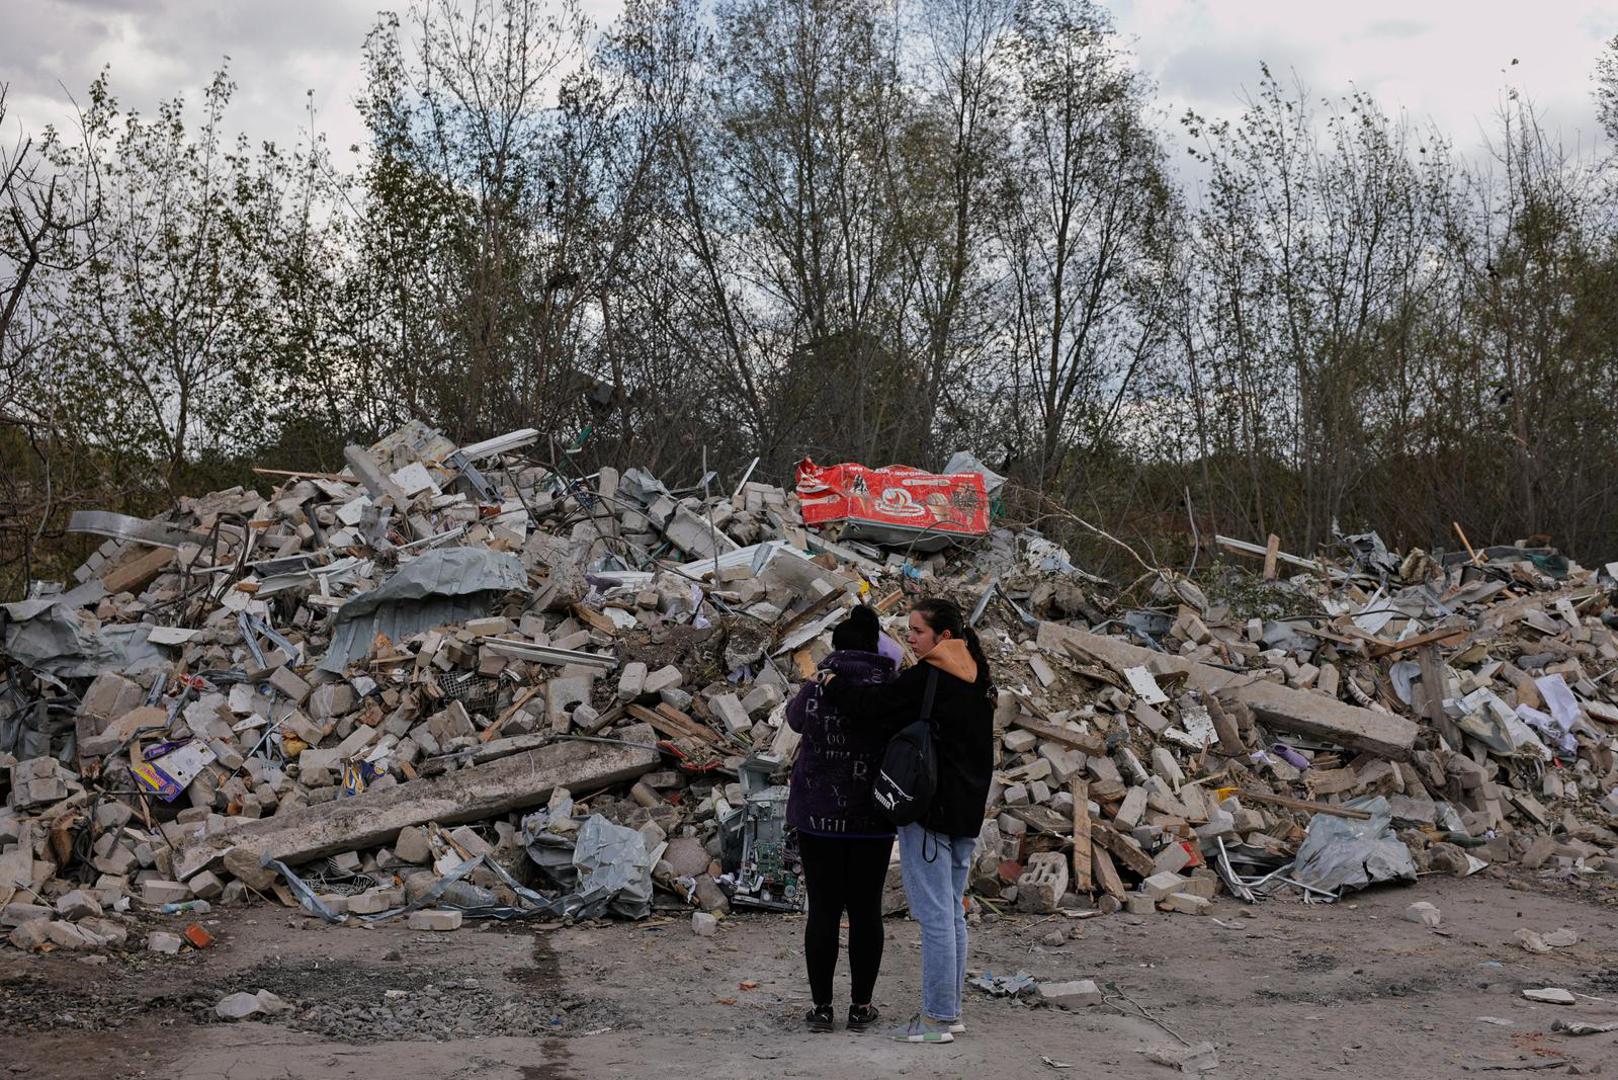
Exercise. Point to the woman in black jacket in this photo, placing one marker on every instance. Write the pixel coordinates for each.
(935, 853)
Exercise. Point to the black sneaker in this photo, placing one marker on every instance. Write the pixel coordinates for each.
(819, 1018)
(861, 1017)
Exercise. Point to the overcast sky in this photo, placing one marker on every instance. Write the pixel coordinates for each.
(1441, 59)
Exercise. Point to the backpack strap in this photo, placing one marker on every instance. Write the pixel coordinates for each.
(932, 689)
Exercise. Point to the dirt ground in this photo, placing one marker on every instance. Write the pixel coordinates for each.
(1281, 989)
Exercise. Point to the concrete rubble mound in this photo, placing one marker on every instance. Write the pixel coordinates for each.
(455, 682)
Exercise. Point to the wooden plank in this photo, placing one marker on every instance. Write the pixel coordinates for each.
(1088, 666)
(1124, 850)
(1093, 745)
(1290, 803)
(675, 727)
(1230, 739)
(1430, 692)
(889, 602)
(490, 732)
(819, 607)
(1282, 708)
(1106, 874)
(1445, 635)
(698, 727)
(375, 816)
(594, 619)
(1083, 863)
(335, 477)
(1243, 547)
(1271, 550)
(133, 575)
(1470, 550)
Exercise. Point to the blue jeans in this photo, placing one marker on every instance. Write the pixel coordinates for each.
(934, 887)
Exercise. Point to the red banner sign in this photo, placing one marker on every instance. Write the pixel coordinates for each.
(895, 498)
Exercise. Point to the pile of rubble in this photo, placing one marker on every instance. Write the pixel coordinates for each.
(1389, 717)
(455, 682)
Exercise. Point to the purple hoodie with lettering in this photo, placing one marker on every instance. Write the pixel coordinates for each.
(838, 758)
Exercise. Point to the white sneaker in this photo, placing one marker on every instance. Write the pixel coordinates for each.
(958, 1028)
(922, 1029)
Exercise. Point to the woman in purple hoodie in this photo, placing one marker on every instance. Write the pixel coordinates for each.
(843, 839)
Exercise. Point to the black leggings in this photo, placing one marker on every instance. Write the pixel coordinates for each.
(841, 875)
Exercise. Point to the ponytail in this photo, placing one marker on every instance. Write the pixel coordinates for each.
(975, 647)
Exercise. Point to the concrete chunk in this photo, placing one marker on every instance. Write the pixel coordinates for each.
(77, 905)
(1077, 994)
(1185, 904)
(1281, 708)
(1044, 879)
(728, 708)
(290, 683)
(632, 681)
(376, 815)
(664, 678)
(1160, 885)
(156, 891)
(435, 919)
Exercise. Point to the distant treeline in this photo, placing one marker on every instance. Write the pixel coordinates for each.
(850, 229)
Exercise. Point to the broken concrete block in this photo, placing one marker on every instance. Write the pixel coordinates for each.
(1185, 904)
(244, 867)
(1042, 670)
(375, 901)
(1550, 995)
(331, 701)
(156, 891)
(77, 905)
(1160, 885)
(563, 695)
(1077, 994)
(763, 698)
(159, 942)
(290, 683)
(206, 885)
(632, 681)
(703, 924)
(1204, 883)
(450, 722)
(473, 844)
(1019, 741)
(664, 678)
(687, 856)
(1044, 879)
(412, 846)
(1172, 859)
(728, 708)
(1195, 1059)
(1424, 913)
(110, 695)
(67, 936)
(435, 919)
(105, 931)
(1132, 809)
(1164, 765)
(241, 1005)
(710, 897)
(30, 935)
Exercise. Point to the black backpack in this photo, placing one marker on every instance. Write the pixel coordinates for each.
(909, 774)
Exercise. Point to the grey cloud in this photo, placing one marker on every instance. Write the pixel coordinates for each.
(1398, 28)
(1218, 73)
